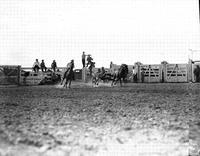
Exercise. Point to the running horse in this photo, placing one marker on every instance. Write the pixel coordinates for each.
(69, 76)
(119, 75)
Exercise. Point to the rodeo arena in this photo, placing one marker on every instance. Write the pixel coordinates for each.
(121, 110)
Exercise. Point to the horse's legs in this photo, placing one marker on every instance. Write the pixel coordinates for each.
(120, 80)
(66, 82)
(113, 82)
(124, 81)
(62, 79)
(97, 81)
(93, 81)
(64, 86)
(70, 83)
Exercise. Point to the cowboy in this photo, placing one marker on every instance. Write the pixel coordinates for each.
(89, 60)
(111, 65)
(134, 74)
(70, 65)
(43, 67)
(54, 65)
(103, 72)
(197, 73)
(36, 66)
(83, 59)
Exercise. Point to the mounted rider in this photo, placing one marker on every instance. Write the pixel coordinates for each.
(89, 60)
(70, 65)
(103, 72)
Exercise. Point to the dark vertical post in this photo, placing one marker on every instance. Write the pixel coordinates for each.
(138, 72)
(19, 74)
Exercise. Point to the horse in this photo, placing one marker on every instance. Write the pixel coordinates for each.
(50, 78)
(95, 79)
(69, 76)
(116, 76)
(97, 76)
(120, 74)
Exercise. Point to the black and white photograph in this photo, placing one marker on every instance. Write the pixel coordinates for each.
(99, 77)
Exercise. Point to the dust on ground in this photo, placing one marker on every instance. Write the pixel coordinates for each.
(134, 120)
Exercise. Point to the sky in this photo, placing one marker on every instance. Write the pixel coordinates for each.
(121, 31)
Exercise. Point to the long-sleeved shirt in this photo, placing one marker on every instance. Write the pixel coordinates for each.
(70, 64)
(36, 63)
(83, 56)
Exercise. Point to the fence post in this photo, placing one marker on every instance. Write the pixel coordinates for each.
(164, 69)
(149, 76)
(190, 71)
(84, 74)
(19, 74)
(139, 73)
(161, 73)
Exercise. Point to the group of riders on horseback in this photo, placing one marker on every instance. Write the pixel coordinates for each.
(113, 76)
(101, 74)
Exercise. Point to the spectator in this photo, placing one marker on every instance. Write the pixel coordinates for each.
(36, 66)
(197, 73)
(142, 75)
(43, 67)
(134, 74)
(111, 65)
(54, 65)
(83, 59)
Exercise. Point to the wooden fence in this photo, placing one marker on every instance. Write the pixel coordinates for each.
(164, 73)
(149, 73)
(155, 73)
(29, 77)
(9, 75)
(176, 73)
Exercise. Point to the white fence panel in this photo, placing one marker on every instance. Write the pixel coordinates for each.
(151, 73)
(176, 73)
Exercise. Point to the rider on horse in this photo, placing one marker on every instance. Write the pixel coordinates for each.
(89, 60)
(103, 72)
(70, 65)
(68, 74)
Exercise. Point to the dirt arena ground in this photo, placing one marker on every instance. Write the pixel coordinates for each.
(134, 120)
